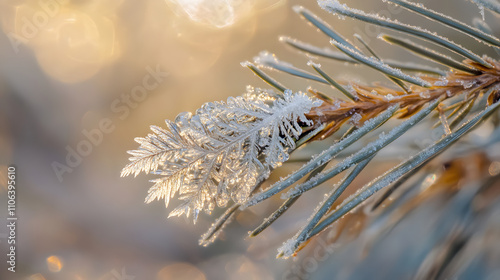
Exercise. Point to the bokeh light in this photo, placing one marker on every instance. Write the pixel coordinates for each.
(37, 276)
(494, 168)
(72, 41)
(180, 271)
(54, 264)
(217, 13)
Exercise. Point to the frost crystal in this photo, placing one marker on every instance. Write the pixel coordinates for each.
(388, 97)
(288, 248)
(223, 151)
(442, 82)
(425, 94)
(468, 84)
(355, 119)
(481, 9)
(267, 59)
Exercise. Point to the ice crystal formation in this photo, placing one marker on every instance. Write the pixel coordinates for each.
(225, 150)
(222, 151)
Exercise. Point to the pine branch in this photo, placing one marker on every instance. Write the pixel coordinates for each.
(226, 150)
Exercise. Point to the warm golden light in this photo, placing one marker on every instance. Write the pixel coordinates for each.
(217, 13)
(71, 42)
(494, 168)
(54, 264)
(76, 46)
(37, 276)
(181, 271)
(241, 267)
(3, 178)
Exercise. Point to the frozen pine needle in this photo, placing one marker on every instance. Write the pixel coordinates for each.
(224, 152)
(335, 7)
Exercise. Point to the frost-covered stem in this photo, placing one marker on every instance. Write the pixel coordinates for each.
(428, 54)
(379, 65)
(283, 208)
(217, 226)
(339, 56)
(447, 20)
(334, 6)
(327, 204)
(400, 170)
(368, 151)
(332, 82)
(322, 158)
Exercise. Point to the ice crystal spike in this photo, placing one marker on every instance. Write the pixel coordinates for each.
(492, 5)
(223, 151)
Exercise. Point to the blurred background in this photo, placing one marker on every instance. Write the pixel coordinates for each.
(80, 79)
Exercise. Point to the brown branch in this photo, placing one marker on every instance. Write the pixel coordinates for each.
(374, 99)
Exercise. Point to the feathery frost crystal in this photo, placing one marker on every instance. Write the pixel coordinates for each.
(223, 151)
